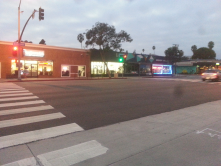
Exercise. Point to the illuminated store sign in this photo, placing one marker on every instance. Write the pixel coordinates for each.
(33, 53)
(162, 69)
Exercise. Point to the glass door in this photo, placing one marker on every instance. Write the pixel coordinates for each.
(34, 70)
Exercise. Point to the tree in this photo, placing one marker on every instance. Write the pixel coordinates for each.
(194, 48)
(42, 42)
(104, 37)
(143, 50)
(80, 38)
(173, 54)
(204, 53)
(154, 49)
(211, 45)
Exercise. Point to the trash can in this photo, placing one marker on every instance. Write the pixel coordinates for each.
(115, 75)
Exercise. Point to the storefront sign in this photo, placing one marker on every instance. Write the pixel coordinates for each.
(33, 53)
(162, 69)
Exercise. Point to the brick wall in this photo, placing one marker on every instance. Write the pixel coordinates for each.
(59, 56)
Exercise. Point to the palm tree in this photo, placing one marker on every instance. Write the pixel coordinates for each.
(80, 38)
(211, 45)
(154, 49)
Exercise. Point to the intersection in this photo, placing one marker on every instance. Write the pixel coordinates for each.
(105, 111)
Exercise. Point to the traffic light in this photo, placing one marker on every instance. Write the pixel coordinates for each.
(41, 14)
(15, 51)
(121, 59)
(125, 56)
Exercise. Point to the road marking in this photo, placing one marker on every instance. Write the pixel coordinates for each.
(32, 119)
(72, 155)
(19, 94)
(210, 132)
(21, 103)
(22, 110)
(17, 91)
(19, 98)
(24, 162)
(22, 138)
(10, 89)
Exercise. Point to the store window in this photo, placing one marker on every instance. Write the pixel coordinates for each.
(100, 68)
(81, 71)
(73, 71)
(65, 70)
(45, 68)
(34, 68)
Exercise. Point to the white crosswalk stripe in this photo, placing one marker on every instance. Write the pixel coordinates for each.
(21, 103)
(27, 120)
(19, 94)
(23, 110)
(17, 91)
(19, 98)
(9, 93)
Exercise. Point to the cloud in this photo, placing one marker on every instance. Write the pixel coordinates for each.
(160, 23)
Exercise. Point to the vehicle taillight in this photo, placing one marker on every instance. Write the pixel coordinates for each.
(203, 74)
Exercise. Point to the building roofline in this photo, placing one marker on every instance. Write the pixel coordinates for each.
(45, 46)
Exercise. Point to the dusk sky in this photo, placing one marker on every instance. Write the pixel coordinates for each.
(159, 23)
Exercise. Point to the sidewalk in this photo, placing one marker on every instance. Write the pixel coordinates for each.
(189, 136)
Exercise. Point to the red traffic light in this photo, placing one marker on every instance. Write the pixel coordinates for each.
(15, 48)
(125, 56)
(15, 51)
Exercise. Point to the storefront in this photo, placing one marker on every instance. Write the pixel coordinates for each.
(197, 66)
(44, 61)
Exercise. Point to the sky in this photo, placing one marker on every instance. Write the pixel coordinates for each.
(159, 23)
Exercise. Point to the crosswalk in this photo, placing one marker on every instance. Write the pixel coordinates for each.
(15, 100)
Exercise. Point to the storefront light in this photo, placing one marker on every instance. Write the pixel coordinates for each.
(65, 68)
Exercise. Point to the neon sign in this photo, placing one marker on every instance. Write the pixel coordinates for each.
(162, 69)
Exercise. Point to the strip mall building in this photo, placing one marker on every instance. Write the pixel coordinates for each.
(44, 61)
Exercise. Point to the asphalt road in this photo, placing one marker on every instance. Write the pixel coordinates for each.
(95, 103)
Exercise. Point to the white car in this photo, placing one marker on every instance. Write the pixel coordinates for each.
(213, 75)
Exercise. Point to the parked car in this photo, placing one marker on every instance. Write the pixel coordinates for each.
(213, 75)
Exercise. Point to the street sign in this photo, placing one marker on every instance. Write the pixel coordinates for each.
(18, 44)
(151, 59)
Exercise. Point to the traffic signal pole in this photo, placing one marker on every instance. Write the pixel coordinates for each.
(19, 40)
(19, 59)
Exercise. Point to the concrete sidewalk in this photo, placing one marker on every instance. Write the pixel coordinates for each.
(189, 136)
